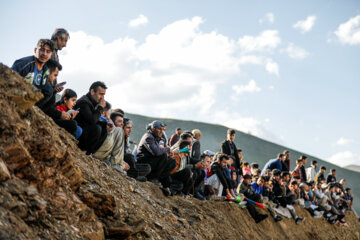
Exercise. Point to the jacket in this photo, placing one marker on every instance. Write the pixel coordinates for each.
(310, 173)
(90, 111)
(149, 146)
(195, 150)
(216, 169)
(225, 148)
(48, 103)
(272, 164)
(26, 68)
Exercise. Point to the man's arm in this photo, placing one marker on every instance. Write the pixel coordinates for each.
(91, 117)
(154, 148)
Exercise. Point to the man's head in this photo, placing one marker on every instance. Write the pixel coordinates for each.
(60, 38)
(304, 158)
(157, 128)
(294, 185)
(303, 186)
(54, 69)
(287, 154)
(117, 119)
(197, 134)
(347, 190)
(260, 181)
(178, 131)
(299, 162)
(127, 127)
(231, 135)
(314, 163)
(276, 174)
(247, 179)
(186, 137)
(120, 111)
(239, 153)
(97, 91)
(333, 172)
(43, 50)
(223, 160)
(282, 157)
(254, 166)
(206, 160)
(342, 182)
(323, 169)
(285, 176)
(107, 110)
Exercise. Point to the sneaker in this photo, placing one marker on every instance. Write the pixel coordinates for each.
(299, 220)
(166, 191)
(141, 178)
(156, 181)
(278, 218)
(261, 217)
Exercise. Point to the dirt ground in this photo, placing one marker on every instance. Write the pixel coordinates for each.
(49, 189)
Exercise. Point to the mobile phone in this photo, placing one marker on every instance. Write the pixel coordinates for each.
(77, 109)
(61, 84)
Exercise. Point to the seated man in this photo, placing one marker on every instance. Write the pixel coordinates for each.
(218, 179)
(274, 163)
(246, 189)
(111, 150)
(48, 105)
(34, 69)
(91, 107)
(149, 152)
(199, 177)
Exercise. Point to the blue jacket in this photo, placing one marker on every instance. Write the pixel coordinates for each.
(26, 68)
(257, 189)
(272, 164)
(149, 146)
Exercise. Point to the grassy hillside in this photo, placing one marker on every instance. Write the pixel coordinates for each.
(254, 149)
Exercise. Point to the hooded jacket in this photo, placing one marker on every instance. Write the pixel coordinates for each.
(149, 146)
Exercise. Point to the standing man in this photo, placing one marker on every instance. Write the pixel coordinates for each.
(91, 107)
(303, 172)
(311, 171)
(195, 150)
(59, 38)
(286, 163)
(228, 147)
(175, 137)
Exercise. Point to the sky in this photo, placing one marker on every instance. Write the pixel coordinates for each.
(285, 71)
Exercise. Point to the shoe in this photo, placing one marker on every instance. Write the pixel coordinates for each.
(156, 181)
(299, 220)
(261, 217)
(199, 196)
(166, 191)
(141, 178)
(278, 218)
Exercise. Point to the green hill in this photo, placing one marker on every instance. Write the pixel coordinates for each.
(254, 149)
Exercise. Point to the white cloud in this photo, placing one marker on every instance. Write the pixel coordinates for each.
(250, 87)
(349, 32)
(345, 158)
(266, 41)
(175, 72)
(140, 20)
(272, 67)
(305, 25)
(269, 17)
(343, 141)
(295, 52)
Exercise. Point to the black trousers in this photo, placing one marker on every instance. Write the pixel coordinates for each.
(252, 210)
(198, 181)
(91, 138)
(183, 176)
(161, 166)
(68, 125)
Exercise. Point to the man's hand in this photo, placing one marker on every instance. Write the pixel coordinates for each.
(73, 113)
(102, 103)
(65, 116)
(126, 167)
(110, 126)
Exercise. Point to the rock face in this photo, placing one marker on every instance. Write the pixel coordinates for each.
(49, 189)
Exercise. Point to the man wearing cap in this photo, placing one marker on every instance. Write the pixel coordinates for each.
(150, 152)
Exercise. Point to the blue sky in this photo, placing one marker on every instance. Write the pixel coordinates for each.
(286, 71)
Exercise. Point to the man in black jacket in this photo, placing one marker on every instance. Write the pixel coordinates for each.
(228, 147)
(91, 107)
(195, 149)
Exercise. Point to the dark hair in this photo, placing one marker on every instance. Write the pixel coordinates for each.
(107, 106)
(286, 151)
(313, 162)
(185, 135)
(347, 189)
(294, 183)
(332, 170)
(299, 160)
(118, 110)
(276, 172)
(284, 174)
(43, 42)
(114, 115)
(59, 32)
(231, 131)
(222, 157)
(280, 155)
(177, 129)
(323, 168)
(126, 121)
(187, 132)
(254, 165)
(239, 150)
(52, 65)
(67, 94)
(95, 85)
(246, 164)
(296, 177)
(303, 157)
(203, 156)
(183, 144)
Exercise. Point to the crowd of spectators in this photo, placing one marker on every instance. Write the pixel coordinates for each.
(178, 165)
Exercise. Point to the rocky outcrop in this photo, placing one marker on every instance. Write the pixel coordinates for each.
(49, 189)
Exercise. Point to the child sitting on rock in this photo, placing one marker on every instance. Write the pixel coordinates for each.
(66, 104)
